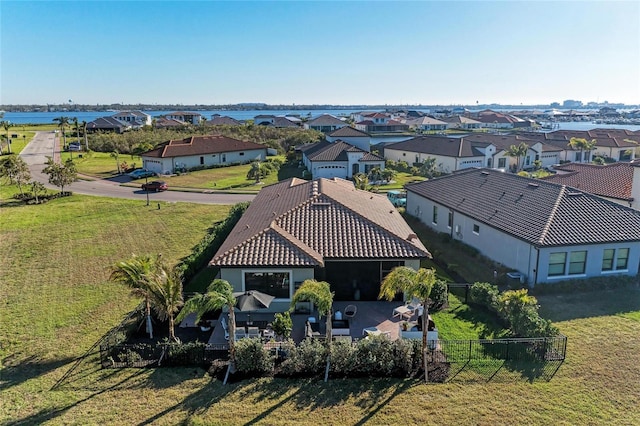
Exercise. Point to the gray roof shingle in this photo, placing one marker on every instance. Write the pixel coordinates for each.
(537, 211)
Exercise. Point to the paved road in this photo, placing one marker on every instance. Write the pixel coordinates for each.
(43, 145)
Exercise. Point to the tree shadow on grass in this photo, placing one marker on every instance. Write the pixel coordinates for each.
(569, 306)
(486, 322)
(15, 372)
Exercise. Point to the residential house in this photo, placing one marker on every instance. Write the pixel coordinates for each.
(187, 117)
(546, 231)
(323, 229)
(617, 182)
(338, 159)
(461, 122)
(275, 121)
(547, 154)
(374, 122)
(426, 123)
(352, 136)
(201, 151)
(217, 119)
(326, 123)
(168, 123)
(106, 124)
(497, 120)
(134, 119)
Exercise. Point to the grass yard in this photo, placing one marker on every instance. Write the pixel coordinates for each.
(99, 164)
(55, 302)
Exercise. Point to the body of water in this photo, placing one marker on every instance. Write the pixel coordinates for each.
(47, 117)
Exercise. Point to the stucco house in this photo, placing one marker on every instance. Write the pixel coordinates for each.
(461, 122)
(426, 123)
(546, 231)
(206, 151)
(338, 159)
(106, 124)
(323, 229)
(538, 150)
(326, 123)
(355, 137)
(617, 182)
(134, 119)
(185, 116)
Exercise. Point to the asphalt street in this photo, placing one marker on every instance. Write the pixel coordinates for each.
(43, 145)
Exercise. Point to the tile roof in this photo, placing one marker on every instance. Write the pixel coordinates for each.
(304, 223)
(461, 119)
(326, 120)
(223, 119)
(330, 151)
(201, 145)
(539, 212)
(440, 145)
(426, 120)
(350, 132)
(613, 181)
(610, 138)
(105, 123)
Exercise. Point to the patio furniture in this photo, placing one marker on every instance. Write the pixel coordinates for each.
(268, 333)
(340, 328)
(253, 332)
(350, 311)
(403, 311)
(374, 331)
(240, 333)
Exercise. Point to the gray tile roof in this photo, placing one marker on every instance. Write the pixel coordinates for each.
(201, 145)
(349, 132)
(537, 211)
(223, 119)
(330, 151)
(105, 123)
(304, 223)
(326, 120)
(440, 145)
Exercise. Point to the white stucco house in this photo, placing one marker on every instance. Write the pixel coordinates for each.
(133, 119)
(352, 136)
(185, 116)
(546, 231)
(338, 159)
(205, 151)
(324, 229)
(325, 123)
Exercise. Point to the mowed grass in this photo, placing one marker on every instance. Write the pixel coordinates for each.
(56, 302)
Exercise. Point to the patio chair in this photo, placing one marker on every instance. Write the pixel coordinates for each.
(240, 333)
(254, 333)
(350, 311)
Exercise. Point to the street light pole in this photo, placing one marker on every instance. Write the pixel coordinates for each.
(146, 187)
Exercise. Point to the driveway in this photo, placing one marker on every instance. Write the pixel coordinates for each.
(43, 145)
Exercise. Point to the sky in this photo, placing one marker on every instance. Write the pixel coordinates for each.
(326, 52)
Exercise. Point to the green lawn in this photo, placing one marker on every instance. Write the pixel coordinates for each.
(100, 164)
(462, 322)
(55, 302)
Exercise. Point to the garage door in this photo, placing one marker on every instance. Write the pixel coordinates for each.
(331, 172)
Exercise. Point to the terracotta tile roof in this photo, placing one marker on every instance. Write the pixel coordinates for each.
(610, 138)
(201, 145)
(461, 119)
(304, 223)
(440, 145)
(326, 120)
(613, 181)
(539, 212)
(350, 132)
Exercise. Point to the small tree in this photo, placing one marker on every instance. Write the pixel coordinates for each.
(255, 172)
(414, 284)
(582, 145)
(37, 188)
(6, 125)
(360, 181)
(166, 295)
(518, 151)
(16, 169)
(115, 155)
(61, 175)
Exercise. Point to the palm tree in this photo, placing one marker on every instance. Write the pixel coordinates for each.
(135, 274)
(360, 181)
(115, 155)
(6, 125)
(62, 123)
(319, 293)
(518, 151)
(166, 295)
(414, 284)
(76, 127)
(583, 145)
(84, 132)
(219, 294)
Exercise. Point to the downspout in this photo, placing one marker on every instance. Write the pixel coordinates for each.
(535, 274)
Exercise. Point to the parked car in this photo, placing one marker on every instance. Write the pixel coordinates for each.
(156, 185)
(141, 173)
(75, 146)
(397, 198)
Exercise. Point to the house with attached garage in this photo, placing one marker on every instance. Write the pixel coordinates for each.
(338, 159)
(355, 137)
(326, 123)
(135, 119)
(201, 151)
(546, 231)
(324, 229)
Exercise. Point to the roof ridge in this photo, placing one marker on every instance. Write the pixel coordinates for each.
(552, 215)
(297, 242)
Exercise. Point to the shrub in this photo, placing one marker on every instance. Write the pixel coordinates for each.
(520, 310)
(308, 358)
(185, 353)
(485, 294)
(375, 356)
(252, 357)
(439, 296)
(343, 358)
(282, 324)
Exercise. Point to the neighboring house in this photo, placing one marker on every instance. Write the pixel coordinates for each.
(546, 153)
(264, 120)
(323, 229)
(201, 151)
(275, 121)
(617, 144)
(217, 119)
(426, 123)
(389, 125)
(338, 159)
(461, 122)
(168, 123)
(451, 154)
(352, 136)
(617, 182)
(135, 119)
(546, 231)
(187, 117)
(498, 120)
(325, 123)
(106, 124)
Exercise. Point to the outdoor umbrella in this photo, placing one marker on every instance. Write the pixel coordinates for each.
(252, 300)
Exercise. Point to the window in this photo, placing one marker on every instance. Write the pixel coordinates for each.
(224, 158)
(502, 163)
(476, 229)
(435, 214)
(274, 283)
(607, 259)
(242, 153)
(450, 220)
(577, 262)
(622, 259)
(201, 160)
(556, 264)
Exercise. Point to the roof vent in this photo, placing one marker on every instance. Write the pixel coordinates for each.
(533, 185)
(484, 173)
(574, 194)
(412, 237)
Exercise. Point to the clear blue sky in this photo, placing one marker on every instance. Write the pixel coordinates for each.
(209, 52)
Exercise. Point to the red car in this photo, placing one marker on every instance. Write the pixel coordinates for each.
(156, 185)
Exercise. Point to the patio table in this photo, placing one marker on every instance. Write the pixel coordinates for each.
(373, 331)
